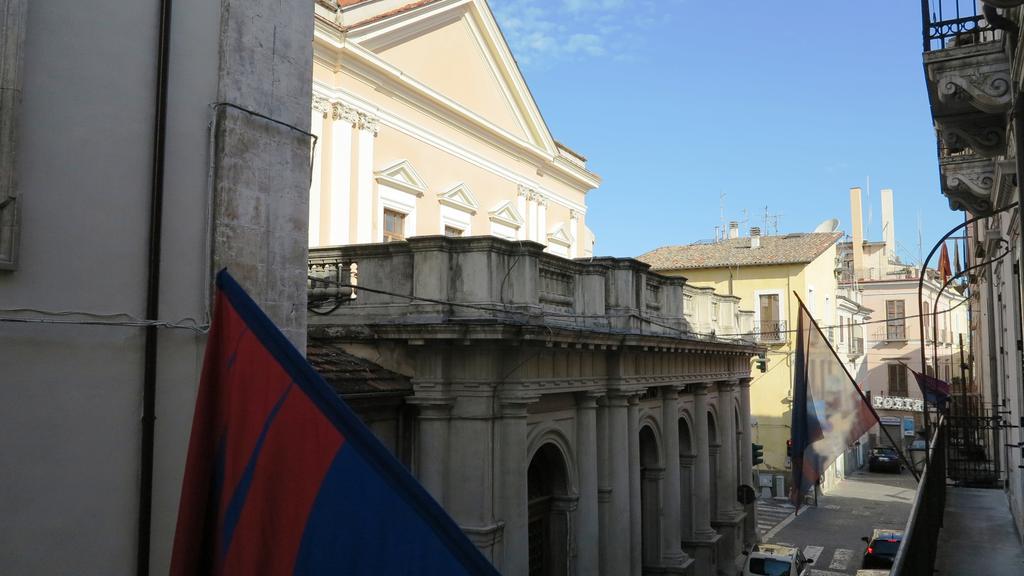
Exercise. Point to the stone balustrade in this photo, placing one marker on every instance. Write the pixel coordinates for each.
(433, 279)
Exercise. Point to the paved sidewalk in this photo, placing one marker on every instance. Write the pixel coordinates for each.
(978, 535)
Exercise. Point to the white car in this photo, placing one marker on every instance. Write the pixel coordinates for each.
(774, 560)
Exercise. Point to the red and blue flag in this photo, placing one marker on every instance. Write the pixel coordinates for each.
(829, 411)
(935, 391)
(283, 478)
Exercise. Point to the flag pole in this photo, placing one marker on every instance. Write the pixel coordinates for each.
(859, 391)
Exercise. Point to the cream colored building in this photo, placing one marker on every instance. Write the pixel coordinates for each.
(765, 272)
(427, 126)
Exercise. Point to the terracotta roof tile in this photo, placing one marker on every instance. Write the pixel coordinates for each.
(787, 249)
(387, 14)
(350, 375)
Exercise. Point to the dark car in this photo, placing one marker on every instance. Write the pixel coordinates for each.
(884, 458)
(882, 548)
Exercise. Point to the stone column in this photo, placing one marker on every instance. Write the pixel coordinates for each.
(635, 530)
(671, 524)
(339, 218)
(531, 216)
(514, 503)
(704, 536)
(521, 197)
(321, 108)
(729, 516)
(432, 444)
(617, 546)
(364, 180)
(587, 520)
(747, 463)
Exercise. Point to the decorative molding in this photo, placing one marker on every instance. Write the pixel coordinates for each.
(322, 105)
(559, 235)
(402, 176)
(986, 90)
(369, 123)
(982, 134)
(459, 197)
(969, 185)
(341, 111)
(506, 213)
(1004, 4)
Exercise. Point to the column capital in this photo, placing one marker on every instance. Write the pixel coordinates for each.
(588, 400)
(700, 388)
(432, 407)
(368, 123)
(516, 406)
(321, 105)
(745, 382)
(344, 112)
(727, 385)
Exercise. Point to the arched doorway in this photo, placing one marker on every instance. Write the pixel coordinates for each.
(714, 444)
(687, 458)
(651, 474)
(548, 490)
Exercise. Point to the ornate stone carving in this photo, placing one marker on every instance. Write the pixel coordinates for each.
(340, 111)
(523, 191)
(984, 135)
(321, 105)
(1003, 3)
(969, 185)
(368, 123)
(986, 90)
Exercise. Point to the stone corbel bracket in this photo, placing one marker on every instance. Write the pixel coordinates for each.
(984, 134)
(1003, 3)
(986, 89)
(969, 185)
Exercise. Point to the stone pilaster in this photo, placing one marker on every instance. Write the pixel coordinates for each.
(635, 517)
(729, 516)
(705, 539)
(747, 463)
(432, 444)
(616, 548)
(587, 520)
(671, 553)
(513, 503)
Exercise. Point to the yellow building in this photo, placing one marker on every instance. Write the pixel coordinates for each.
(765, 272)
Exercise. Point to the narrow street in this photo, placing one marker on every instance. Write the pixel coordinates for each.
(831, 532)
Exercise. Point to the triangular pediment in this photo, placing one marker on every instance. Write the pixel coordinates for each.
(459, 197)
(506, 213)
(403, 176)
(456, 50)
(559, 235)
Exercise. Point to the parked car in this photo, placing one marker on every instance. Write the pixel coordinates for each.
(775, 560)
(884, 458)
(882, 547)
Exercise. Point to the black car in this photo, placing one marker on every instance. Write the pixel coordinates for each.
(884, 458)
(882, 548)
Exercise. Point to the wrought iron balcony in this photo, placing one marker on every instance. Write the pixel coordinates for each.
(950, 23)
(770, 332)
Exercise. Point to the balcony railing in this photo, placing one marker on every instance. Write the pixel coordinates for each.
(771, 331)
(918, 548)
(856, 346)
(948, 23)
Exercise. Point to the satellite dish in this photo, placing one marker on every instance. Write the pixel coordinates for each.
(830, 225)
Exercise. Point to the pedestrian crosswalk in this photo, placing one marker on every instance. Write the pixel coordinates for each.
(840, 561)
(771, 513)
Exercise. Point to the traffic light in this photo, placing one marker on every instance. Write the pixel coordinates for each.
(762, 361)
(758, 451)
(789, 447)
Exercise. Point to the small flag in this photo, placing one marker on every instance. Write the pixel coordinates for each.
(944, 271)
(935, 391)
(283, 478)
(829, 412)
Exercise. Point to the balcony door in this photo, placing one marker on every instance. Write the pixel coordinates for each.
(769, 312)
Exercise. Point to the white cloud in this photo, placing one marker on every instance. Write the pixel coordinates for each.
(542, 32)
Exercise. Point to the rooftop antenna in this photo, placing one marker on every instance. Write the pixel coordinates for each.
(870, 211)
(920, 253)
(721, 213)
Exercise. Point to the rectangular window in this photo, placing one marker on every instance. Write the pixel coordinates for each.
(394, 226)
(452, 232)
(896, 323)
(897, 380)
(770, 328)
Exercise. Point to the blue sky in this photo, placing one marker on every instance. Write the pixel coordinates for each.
(780, 105)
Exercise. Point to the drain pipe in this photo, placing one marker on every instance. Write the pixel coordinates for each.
(156, 195)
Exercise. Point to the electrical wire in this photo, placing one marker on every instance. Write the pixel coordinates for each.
(100, 319)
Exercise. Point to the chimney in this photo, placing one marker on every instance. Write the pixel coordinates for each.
(734, 230)
(856, 223)
(755, 237)
(888, 226)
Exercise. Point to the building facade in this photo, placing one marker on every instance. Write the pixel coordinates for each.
(565, 413)
(427, 127)
(126, 177)
(764, 273)
(974, 77)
